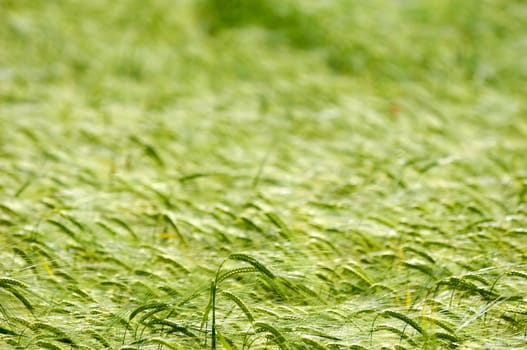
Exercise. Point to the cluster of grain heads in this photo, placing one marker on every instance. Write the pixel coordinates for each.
(462, 285)
(271, 333)
(13, 287)
(216, 292)
(52, 334)
(420, 331)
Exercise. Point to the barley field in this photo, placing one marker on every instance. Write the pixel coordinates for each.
(264, 174)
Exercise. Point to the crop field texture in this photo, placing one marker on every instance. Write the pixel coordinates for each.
(264, 174)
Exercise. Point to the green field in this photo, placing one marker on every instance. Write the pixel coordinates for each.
(263, 174)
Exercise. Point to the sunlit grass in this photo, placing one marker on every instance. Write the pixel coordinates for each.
(262, 175)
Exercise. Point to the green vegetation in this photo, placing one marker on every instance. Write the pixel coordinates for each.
(263, 174)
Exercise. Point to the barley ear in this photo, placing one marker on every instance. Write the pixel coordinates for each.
(156, 306)
(240, 304)
(230, 273)
(276, 334)
(249, 259)
(16, 293)
(313, 344)
(404, 318)
(6, 281)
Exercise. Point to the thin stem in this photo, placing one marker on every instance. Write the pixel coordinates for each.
(213, 293)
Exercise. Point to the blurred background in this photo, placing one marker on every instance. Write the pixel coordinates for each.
(154, 52)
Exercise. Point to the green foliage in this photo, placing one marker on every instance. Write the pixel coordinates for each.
(263, 174)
